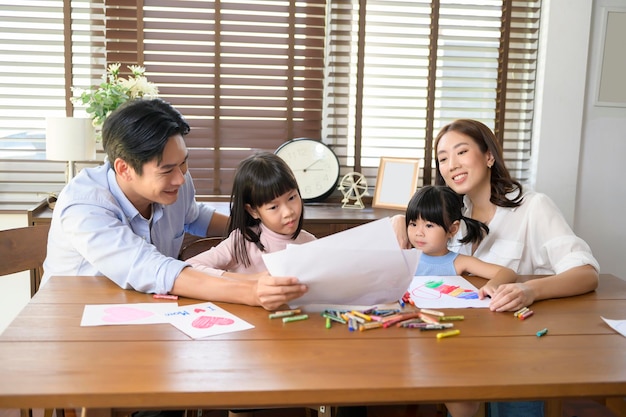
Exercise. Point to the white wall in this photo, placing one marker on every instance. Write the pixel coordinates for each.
(601, 198)
(580, 146)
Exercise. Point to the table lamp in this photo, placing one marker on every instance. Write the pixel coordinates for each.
(70, 139)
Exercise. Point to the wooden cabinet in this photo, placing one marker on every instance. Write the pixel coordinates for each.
(320, 219)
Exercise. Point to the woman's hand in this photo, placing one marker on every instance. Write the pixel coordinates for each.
(274, 292)
(398, 223)
(508, 297)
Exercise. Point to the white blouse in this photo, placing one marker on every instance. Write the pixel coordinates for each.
(533, 238)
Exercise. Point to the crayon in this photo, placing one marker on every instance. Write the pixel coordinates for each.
(284, 313)
(526, 315)
(448, 333)
(432, 312)
(370, 325)
(295, 318)
(542, 332)
(165, 296)
(451, 318)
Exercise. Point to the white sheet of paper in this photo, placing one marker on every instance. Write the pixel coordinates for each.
(205, 319)
(360, 266)
(617, 325)
(445, 292)
(114, 314)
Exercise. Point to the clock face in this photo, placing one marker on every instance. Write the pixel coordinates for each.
(315, 166)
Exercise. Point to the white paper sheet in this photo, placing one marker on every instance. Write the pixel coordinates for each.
(205, 319)
(445, 292)
(617, 325)
(115, 314)
(363, 266)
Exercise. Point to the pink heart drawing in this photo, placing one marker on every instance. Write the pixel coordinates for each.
(199, 310)
(124, 314)
(204, 322)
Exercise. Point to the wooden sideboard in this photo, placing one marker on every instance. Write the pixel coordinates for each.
(320, 219)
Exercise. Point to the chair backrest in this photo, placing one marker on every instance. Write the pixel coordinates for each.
(198, 246)
(24, 249)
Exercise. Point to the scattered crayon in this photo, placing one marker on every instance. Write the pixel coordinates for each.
(542, 332)
(370, 325)
(165, 296)
(448, 333)
(525, 315)
(295, 318)
(284, 313)
(432, 312)
(451, 318)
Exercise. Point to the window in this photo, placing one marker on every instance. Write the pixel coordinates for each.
(42, 53)
(370, 78)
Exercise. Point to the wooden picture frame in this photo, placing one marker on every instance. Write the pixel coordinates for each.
(396, 182)
(610, 88)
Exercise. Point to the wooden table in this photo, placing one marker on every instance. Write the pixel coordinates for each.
(49, 361)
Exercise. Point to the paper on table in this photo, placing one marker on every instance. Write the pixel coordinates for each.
(114, 314)
(617, 325)
(205, 319)
(445, 292)
(363, 266)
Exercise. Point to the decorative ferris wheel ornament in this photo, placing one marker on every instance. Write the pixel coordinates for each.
(353, 186)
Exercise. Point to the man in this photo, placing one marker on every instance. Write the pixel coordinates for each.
(127, 218)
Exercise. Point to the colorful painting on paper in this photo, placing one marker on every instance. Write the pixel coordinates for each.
(445, 292)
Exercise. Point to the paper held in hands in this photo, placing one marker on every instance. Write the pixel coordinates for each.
(360, 266)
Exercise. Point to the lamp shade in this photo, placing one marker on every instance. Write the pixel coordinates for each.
(70, 139)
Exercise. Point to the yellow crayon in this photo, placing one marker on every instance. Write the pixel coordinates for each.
(451, 318)
(359, 314)
(448, 333)
(370, 325)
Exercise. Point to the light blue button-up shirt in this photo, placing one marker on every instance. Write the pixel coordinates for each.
(96, 230)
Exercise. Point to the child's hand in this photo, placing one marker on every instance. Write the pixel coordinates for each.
(487, 290)
(274, 292)
(511, 297)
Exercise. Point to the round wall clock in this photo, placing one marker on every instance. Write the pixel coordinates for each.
(315, 166)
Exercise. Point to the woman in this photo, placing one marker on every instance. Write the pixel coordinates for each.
(527, 231)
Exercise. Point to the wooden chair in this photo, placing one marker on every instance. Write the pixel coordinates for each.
(198, 246)
(24, 249)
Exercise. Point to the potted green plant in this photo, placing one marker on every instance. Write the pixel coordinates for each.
(113, 92)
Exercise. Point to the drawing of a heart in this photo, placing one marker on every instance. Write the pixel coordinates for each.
(124, 314)
(204, 322)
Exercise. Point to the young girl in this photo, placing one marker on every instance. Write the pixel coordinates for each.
(266, 214)
(433, 217)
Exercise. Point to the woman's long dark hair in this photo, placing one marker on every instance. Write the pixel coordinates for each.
(259, 179)
(441, 205)
(501, 181)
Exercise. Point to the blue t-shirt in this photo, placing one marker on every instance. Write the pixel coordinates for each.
(437, 265)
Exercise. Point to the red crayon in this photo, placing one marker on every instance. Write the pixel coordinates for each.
(165, 296)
